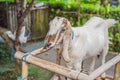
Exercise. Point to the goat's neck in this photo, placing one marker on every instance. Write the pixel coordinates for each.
(68, 30)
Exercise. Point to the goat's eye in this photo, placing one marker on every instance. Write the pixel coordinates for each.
(58, 18)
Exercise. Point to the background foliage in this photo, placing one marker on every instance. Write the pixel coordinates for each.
(88, 8)
(4, 53)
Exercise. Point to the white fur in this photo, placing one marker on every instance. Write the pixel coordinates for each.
(22, 37)
(89, 41)
(55, 25)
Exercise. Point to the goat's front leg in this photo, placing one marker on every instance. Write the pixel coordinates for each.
(58, 56)
(58, 60)
(77, 66)
(70, 66)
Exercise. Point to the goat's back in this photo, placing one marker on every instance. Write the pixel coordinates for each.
(96, 22)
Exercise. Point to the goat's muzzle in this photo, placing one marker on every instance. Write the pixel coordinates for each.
(49, 46)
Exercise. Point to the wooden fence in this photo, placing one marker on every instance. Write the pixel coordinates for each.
(11, 17)
(37, 20)
(65, 71)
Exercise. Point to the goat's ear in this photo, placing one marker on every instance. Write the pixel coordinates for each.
(46, 39)
(66, 42)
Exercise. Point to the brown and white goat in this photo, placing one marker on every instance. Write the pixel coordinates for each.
(80, 43)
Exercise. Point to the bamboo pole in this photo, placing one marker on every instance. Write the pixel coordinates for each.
(117, 71)
(104, 67)
(24, 70)
(78, 12)
(53, 67)
(58, 60)
(20, 22)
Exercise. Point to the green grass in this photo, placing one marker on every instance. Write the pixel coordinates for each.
(37, 73)
(8, 72)
(6, 0)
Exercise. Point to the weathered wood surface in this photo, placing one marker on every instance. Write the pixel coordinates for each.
(24, 64)
(58, 60)
(70, 73)
(36, 20)
(24, 70)
(39, 22)
(11, 18)
(53, 67)
(117, 72)
(78, 12)
(20, 22)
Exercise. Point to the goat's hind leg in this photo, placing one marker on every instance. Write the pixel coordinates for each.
(58, 60)
(92, 65)
(104, 53)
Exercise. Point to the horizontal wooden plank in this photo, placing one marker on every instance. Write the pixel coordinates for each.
(53, 67)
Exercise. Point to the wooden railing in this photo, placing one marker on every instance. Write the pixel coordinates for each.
(65, 71)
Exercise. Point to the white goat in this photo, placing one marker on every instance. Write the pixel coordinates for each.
(80, 43)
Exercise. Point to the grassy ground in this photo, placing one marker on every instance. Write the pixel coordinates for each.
(7, 72)
(38, 73)
(7, 69)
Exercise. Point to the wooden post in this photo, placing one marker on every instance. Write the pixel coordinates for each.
(117, 71)
(58, 56)
(78, 12)
(24, 70)
(20, 22)
(58, 60)
(53, 67)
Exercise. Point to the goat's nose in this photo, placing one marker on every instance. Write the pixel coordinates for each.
(47, 45)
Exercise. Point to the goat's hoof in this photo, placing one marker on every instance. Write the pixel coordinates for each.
(103, 76)
(69, 79)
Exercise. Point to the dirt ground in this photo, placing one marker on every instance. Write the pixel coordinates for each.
(51, 56)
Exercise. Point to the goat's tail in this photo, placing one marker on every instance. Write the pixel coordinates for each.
(110, 22)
